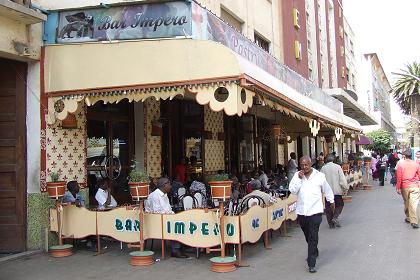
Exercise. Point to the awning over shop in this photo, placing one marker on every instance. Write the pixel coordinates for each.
(136, 70)
(351, 107)
(364, 140)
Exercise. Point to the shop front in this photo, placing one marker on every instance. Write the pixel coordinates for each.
(211, 95)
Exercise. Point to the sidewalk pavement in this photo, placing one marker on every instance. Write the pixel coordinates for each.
(374, 242)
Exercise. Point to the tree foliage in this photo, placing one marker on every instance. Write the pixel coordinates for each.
(407, 86)
(381, 140)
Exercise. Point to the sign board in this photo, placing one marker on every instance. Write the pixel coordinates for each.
(253, 224)
(141, 21)
(291, 207)
(196, 228)
(276, 214)
(76, 222)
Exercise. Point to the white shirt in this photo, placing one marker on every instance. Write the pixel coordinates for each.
(158, 202)
(309, 193)
(264, 180)
(101, 197)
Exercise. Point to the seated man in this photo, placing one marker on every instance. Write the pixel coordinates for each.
(72, 195)
(103, 195)
(256, 187)
(158, 202)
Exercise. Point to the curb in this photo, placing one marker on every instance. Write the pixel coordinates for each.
(19, 256)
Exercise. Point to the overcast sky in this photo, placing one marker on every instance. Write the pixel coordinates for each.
(389, 28)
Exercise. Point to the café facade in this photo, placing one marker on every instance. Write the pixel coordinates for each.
(160, 81)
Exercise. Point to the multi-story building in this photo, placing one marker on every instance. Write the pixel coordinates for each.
(238, 85)
(375, 92)
(318, 43)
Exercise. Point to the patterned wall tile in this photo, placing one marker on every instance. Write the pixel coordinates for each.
(66, 150)
(154, 145)
(214, 149)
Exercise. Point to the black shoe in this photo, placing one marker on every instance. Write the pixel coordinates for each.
(407, 220)
(414, 225)
(312, 269)
(336, 222)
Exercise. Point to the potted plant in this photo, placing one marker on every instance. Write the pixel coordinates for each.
(55, 187)
(139, 184)
(221, 186)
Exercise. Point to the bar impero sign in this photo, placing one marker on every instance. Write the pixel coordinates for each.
(142, 21)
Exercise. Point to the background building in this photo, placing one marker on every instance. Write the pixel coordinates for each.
(375, 92)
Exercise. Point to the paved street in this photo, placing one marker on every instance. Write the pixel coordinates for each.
(373, 243)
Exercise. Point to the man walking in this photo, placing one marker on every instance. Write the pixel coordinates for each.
(408, 174)
(309, 184)
(338, 183)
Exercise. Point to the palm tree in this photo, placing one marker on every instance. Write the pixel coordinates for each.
(406, 91)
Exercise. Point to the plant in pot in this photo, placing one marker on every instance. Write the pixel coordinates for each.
(221, 186)
(139, 184)
(55, 187)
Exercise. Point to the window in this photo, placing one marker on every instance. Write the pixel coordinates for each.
(261, 42)
(231, 20)
(298, 50)
(296, 18)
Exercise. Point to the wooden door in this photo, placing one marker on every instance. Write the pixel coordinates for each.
(12, 156)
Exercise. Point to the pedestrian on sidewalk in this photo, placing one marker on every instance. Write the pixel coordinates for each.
(408, 174)
(381, 167)
(309, 184)
(338, 183)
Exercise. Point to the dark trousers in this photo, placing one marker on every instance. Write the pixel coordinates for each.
(381, 172)
(339, 205)
(310, 228)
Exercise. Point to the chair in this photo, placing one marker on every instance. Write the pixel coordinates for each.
(190, 201)
(199, 198)
(249, 202)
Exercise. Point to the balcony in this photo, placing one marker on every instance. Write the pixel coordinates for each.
(19, 10)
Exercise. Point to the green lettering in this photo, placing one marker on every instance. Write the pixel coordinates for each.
(128, 225)
(118, 225)
(179, 228)
(193, 227)
(230, 229)
(216, 229)
(204, 229)
(168, 227)
(136, 225)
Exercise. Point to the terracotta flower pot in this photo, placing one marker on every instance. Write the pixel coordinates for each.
(56, 189)
(139, 190)
(221, 189)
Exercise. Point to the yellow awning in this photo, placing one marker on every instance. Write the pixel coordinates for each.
(136, 70)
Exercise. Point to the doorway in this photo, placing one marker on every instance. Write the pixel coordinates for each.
(183, 125)
(110, 148)
(12, 156)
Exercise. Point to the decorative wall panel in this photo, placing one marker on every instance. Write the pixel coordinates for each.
(66, 150)
(153, 143)
(214, 148)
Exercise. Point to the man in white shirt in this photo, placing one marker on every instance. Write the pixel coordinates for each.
(158, 202)
(292, 166)
(103, 195)
(338, 183)
(309, 184)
